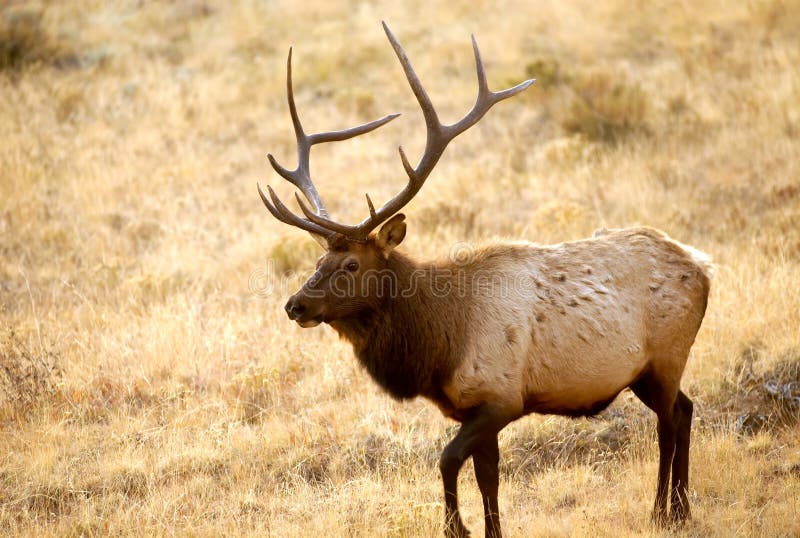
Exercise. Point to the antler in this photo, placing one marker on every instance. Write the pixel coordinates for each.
(301, 176)
(438, 137)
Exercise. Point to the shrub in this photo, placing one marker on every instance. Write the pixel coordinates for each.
(26, 377)
(606, 108)
(23, 41)
(294, 252)
(546, 71)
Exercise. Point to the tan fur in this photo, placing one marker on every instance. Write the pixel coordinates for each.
(598, 313)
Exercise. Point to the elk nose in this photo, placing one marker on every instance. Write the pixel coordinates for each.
(294, 309)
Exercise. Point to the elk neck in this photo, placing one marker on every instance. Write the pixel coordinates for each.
(412, 341)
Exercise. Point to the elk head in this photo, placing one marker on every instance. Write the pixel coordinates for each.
(347, 278)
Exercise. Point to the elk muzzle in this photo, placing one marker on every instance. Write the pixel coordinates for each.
(298, 309)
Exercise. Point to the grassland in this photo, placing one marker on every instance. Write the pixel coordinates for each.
(150, 383)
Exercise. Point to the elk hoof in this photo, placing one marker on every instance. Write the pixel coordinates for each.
(457, 531)
(679, 516)
(660, 519)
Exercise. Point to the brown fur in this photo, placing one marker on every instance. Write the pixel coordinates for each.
(405, 345)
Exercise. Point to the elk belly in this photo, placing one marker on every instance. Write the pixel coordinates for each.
(577, 366)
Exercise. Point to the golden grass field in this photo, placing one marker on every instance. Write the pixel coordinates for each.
(150, 382)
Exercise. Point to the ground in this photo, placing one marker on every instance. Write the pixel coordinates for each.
(150, 382)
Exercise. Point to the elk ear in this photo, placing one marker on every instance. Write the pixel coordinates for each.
(391, 233)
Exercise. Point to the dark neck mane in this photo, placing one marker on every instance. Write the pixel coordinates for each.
(410, 344)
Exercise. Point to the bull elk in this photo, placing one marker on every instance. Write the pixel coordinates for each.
(573, 325)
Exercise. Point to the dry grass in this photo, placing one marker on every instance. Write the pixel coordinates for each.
(152, 384)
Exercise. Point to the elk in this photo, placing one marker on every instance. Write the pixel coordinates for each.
(516, 328)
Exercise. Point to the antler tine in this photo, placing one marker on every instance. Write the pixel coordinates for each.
(485, 100)
(283, 214)
(425, 103)
(300, 177)
(438, 137)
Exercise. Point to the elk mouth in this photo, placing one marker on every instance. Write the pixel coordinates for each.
(308, 323)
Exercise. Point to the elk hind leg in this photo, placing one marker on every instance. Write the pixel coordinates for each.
(660, 396)
(679, 499)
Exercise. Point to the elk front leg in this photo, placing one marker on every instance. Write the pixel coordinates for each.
(476, 433)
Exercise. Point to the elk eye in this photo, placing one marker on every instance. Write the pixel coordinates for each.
(351, 266)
